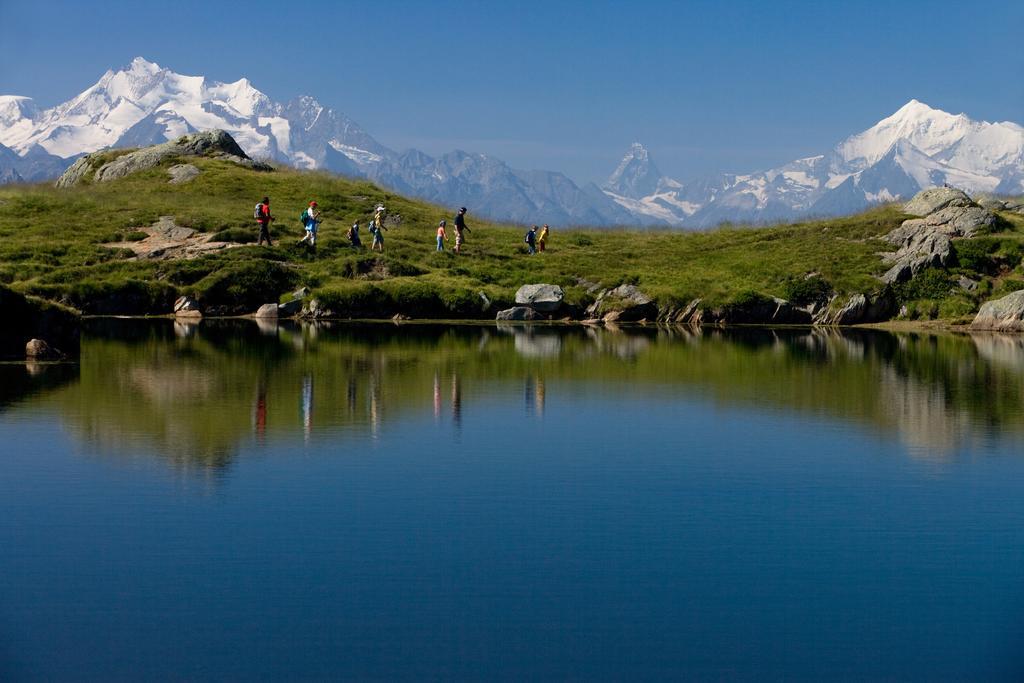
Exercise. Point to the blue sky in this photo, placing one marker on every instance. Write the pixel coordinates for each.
(707, 86)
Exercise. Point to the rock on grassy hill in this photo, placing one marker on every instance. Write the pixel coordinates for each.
(134, 233)
(108, 165)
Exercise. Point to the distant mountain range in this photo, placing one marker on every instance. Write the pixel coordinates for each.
(143, 104)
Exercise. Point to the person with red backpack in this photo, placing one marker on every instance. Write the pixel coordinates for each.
(262, 215)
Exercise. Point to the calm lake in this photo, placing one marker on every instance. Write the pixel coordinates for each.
(379, 502)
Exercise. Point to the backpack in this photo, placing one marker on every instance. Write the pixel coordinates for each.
(527, 238)
(257, 213)
(304, 218)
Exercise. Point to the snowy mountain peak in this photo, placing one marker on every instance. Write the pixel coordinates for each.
(636, 175)
(930, 130)
(15, 108)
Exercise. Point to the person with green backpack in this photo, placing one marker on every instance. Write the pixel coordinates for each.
(310, 220)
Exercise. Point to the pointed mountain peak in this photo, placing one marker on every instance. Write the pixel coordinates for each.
(637, 151)
(636, 175)
(928, 129)
(142, 65)
(14, 108)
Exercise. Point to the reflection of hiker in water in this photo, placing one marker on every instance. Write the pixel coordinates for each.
(353, 394)
(307, 405)
(260, 413)
(374, 403)
(535, 395)
(457, 400)
(437, 397)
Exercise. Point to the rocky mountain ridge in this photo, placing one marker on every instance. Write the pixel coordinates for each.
(145, 104)
(915, 148)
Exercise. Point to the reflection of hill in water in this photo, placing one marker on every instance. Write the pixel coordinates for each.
(22, 381)
(194, 395)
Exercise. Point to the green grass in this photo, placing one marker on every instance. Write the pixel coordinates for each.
(51, 245)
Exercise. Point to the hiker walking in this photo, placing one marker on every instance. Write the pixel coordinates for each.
(377, 229)
(353, 235)
(460, 229)
(531, 240)
(542, 238)
(262, 215)
(310, 221)
(441, 236)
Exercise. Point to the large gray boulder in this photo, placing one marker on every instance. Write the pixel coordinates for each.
(859, 309)
(625, 303)
(762, 311)
(936, 198)
(519, 313)
(1006, 314)
(38, 349)
(266, 311)
(540, 297)
(182, 173)
(990, 202)
(187, 307)
(926, 242)
(213, 143)
(924, 250)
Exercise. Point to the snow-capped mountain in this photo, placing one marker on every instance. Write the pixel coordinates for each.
(144, 104)
(915, 148)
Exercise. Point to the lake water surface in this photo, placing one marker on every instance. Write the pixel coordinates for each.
(378, 502)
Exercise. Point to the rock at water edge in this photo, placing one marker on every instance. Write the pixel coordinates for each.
(1005, 314)
(266, 311)
(541, 297)
(38, 349)
(518, 313)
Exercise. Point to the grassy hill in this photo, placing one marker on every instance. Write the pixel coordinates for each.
(51, 245)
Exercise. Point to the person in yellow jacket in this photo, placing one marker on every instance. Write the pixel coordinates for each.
(542, 238)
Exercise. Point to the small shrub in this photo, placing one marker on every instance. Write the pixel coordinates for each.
(932, 283)
(246, 285)
(1007, 285)
(803, 291)
(748, 298)
(235, 235)
(926, 309)
(581, 240)
(976, 255)
(957, 307)
(135, 236)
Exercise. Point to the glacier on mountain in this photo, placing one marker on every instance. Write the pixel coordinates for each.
(915, 148)
(144, 104)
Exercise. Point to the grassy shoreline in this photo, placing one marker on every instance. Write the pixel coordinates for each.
(52, 246)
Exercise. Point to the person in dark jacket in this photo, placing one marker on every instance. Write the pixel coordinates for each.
(460, 229)
(531, 240)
